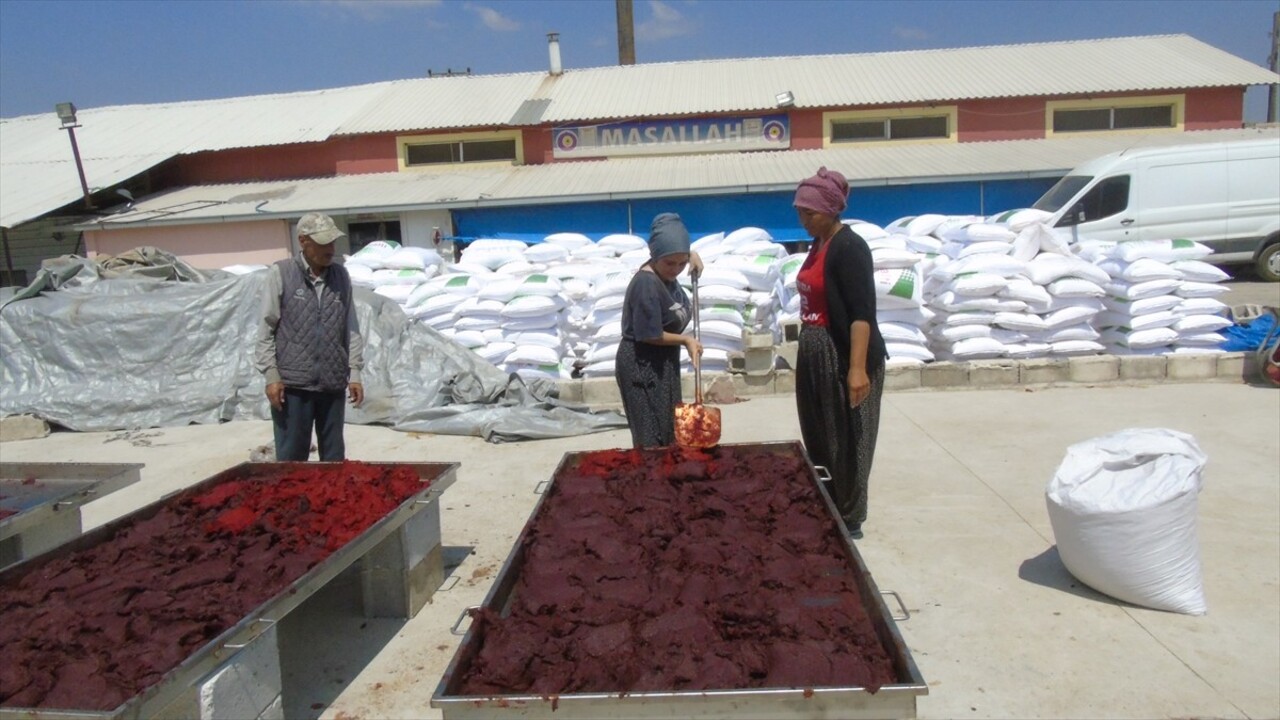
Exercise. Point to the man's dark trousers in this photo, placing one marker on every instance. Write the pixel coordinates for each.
(302, 410)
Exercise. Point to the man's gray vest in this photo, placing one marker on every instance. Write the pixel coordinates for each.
(311, 337)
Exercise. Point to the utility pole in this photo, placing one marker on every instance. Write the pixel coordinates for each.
(626, 33)
(1273, 92)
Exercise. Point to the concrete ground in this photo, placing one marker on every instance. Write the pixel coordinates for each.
(957, 526)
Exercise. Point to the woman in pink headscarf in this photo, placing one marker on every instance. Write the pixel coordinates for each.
(840, 361)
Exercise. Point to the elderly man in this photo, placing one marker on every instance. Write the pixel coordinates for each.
(309, 345)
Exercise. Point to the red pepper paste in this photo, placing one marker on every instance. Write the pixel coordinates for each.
(90, 629)
(681, 570)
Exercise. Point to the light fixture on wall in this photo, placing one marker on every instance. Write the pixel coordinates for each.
(785, 99)
(67, 115)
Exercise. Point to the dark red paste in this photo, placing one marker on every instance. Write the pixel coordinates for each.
(90, 629)
(680, 570)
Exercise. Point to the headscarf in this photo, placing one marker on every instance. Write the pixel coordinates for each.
(667, 236)
(826, 193)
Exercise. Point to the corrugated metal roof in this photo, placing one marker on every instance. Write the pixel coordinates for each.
(671, 176)
(37, 171)
(750, 84)
(37, 175)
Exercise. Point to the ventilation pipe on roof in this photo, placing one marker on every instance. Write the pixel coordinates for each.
(553, 47)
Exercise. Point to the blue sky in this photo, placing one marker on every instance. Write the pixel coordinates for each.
(97, 53)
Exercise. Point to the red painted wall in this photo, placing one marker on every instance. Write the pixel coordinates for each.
(806, 129)
(1215, 109)
(1000, 119)
(366, 154)
(979, 120)
(537, 145)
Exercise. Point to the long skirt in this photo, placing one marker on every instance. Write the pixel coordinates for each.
(649, 379)
(836, 436)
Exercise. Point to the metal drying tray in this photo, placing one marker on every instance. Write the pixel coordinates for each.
(897, 700)
(45, 499)
(155, 699)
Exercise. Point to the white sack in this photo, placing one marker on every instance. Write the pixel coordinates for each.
(1123, 510)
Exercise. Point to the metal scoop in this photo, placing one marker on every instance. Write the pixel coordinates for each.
(697, 426)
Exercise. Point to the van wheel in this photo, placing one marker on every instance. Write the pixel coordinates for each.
(1268, 264)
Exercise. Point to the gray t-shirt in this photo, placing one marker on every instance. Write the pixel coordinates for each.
(652, 306)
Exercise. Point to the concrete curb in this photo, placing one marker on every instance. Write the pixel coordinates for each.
(974, 375)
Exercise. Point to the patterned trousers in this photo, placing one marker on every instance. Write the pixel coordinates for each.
(836, 436)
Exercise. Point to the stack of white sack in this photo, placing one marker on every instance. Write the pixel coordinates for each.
(896, 257)
(1161, 297)
(1006, 286)
(738, 292)
(393, 271)
(599, 318)
(530, 320)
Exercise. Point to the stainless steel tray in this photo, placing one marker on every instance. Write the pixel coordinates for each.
(897, 700)
(46, 499)
(176, 682)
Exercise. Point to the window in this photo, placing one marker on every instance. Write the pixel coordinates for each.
(1117, 118)
(360, 234)
(1115, 114)
(893, 128)
(1107, 198)
(461, 151)
(919, 124)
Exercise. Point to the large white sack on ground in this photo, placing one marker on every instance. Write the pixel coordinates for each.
(1148, 339)
(898, 289)
(1047, 267)
(518, 268)
(986, 232)
(546, 253)
(908, 351)
(398, 294)
(1143, 306)
(1123, 510)
(1199, 271)
(1140, 270)
(865, 230)
(1137, 291)
(745, 235)
(1002, 265)
(567, 240)
(1018, 220)
(1162, 250)
(412, 258)
(1193, 289)
(883, 258)
(916, 224)
(918, 316)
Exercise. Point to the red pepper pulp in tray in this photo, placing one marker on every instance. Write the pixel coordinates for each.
(90, 629)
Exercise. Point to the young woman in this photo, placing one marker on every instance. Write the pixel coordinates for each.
(840, 361)
(655, 312)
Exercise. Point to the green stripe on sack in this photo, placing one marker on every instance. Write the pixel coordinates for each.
(904, 286)
(458, 281)
(1182, 244)
(536, 280)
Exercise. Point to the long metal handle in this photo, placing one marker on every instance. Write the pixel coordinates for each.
(697, 335)
(466, 613)
(906, 614)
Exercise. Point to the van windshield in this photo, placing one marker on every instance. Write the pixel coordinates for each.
(1059, 194)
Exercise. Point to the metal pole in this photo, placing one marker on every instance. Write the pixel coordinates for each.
(626, 33)
(8, 254)
(1273, 92)
(75, 150)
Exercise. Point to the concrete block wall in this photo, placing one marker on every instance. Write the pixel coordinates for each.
(978, 374)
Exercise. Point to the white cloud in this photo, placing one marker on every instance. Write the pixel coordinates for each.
(667, 22)
(493, 19)
(910, 33)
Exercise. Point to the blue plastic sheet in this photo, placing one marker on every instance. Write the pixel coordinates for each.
(1248, 337)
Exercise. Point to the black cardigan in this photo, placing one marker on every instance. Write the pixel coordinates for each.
(851, 296)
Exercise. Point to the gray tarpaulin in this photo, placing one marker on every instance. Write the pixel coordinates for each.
(126, 347)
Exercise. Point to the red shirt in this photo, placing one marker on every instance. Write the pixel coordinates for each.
(812, 284)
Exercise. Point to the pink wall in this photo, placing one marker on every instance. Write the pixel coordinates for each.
(1215, 108)
(211, 246)
(806, 129)
(537, 145)
(1002, 119)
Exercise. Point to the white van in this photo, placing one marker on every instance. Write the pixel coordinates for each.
(1225, 195)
